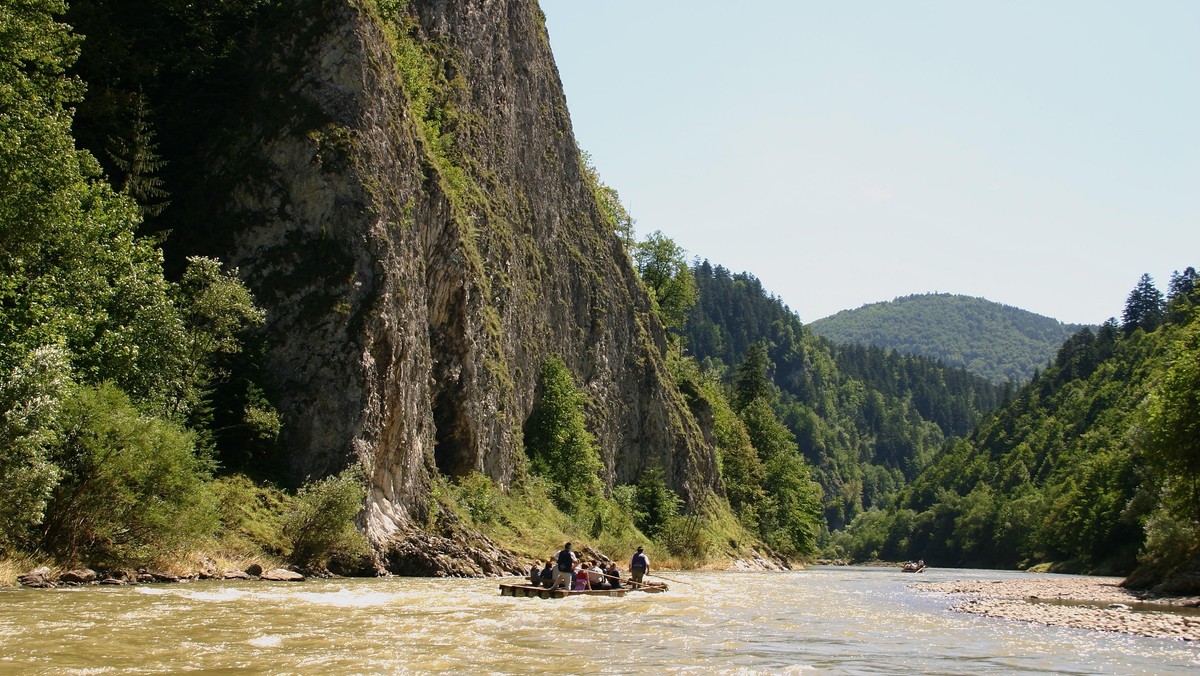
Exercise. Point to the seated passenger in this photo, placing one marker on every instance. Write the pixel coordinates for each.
(581, 580)
(547, 574)
(595, 575)
(613, 575)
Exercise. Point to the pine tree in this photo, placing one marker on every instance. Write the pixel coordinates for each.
(136, 156)
(1144, 308)
(751, 378)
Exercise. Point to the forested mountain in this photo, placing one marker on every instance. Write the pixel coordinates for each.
(1093, 464)
(868, 419)
(999, 342)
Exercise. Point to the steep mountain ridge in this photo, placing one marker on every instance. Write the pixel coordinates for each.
(999, 342)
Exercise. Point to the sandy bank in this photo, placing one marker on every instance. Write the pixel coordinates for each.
(1095, 603)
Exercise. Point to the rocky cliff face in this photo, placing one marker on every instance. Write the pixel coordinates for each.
(414, 217)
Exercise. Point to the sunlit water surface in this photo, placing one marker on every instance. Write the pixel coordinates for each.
(821, 620)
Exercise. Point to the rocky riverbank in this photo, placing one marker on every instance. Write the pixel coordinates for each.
(1095, 603)
(47, 578)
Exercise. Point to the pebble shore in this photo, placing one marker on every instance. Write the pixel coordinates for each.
(1098, 604)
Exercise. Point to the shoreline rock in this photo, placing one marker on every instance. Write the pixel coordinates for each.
(1096, 604)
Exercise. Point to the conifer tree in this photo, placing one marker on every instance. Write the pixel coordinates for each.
(1144, 307)
(750, 381)
(135, 156)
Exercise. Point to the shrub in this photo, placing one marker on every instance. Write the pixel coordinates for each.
(654, 504)
(133, 488)
(30, 399)
(479, 496)
(559, 446)
(318, 523)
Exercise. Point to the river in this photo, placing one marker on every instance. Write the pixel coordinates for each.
(821, 620)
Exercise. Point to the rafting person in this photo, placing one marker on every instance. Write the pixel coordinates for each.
(546, 577)
(581, 578)
(613, 575)
(639, 565)
(564, 569)
(595, 576)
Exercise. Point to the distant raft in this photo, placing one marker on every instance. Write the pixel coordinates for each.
(913, 567)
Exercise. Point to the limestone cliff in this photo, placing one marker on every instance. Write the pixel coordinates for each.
(414, 217)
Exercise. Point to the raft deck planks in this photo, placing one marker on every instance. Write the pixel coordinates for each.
(542, 592)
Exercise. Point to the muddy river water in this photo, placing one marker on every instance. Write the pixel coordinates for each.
(820, 620)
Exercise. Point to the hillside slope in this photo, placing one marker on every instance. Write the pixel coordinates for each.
(999, 342)
(1092, 466)
(869, 420)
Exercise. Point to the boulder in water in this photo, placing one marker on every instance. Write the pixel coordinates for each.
(282, 575)
(79, 576)
(41, 578)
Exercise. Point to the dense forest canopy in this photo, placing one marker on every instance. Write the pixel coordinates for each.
(999, 342)
(868, 420)
(1091, 465)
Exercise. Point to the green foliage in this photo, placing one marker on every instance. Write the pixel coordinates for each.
(104, 467)
(790, 513)
(39, 167)
(999, 342)
(867, 420)
(217, 310)
(611, 208)
(1172, 427)
(251, 516)
(132, 486)
(479, 496)
(750, 382)
(319, 521)
(31, 398)
(1144, 308)
(1090, 466)
(662, 267)
(557, 441)
(137, 158)
(655, 505)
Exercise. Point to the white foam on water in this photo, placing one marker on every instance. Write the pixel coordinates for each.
(266, 641)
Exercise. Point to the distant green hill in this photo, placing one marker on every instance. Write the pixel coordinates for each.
(868, 420)
(998, 342)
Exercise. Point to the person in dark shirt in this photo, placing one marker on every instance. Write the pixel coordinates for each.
(613, 575)
(547, 574)
(564, 569)
(639, 565)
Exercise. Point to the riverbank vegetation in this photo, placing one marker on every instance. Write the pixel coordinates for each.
(113, 375)
(1091, 466)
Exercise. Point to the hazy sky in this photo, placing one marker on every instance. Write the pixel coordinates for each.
(1042, 154)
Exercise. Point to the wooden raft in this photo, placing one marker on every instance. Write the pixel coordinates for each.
(542, 592)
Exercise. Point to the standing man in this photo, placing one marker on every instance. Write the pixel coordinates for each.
(639, 565)
(564, 572)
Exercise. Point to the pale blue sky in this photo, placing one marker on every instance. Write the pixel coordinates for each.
(1042, 154)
